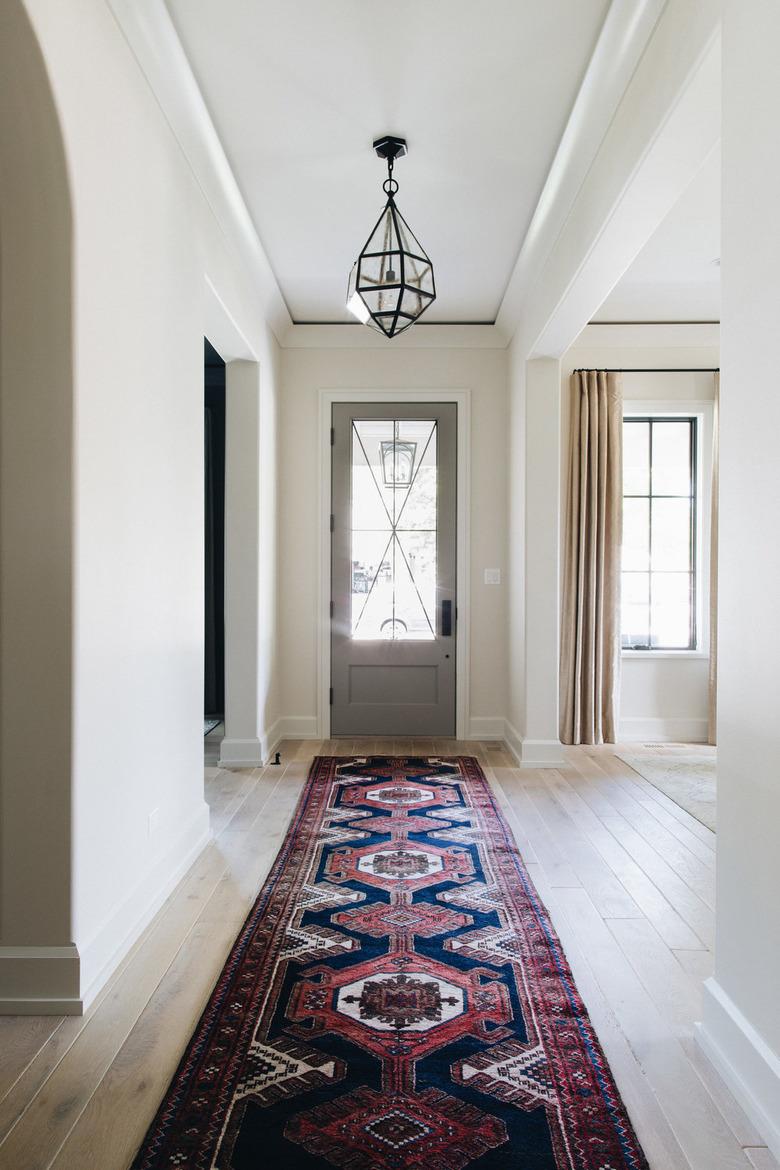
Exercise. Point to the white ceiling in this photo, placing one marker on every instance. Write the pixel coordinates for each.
(298, 90)
(675, 277)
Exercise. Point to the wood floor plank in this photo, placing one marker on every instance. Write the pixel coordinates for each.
(652, 902)
(762, 1159)
(698, 1124)
(655, 1134)
(21, 1039)
(654, 795)
(673, 991)
(606, 891)
(118, 1113)
(556, 867)
(685, 901)
(736, 1118)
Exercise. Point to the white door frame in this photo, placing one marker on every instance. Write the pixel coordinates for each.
(245, 742)
(462, 648)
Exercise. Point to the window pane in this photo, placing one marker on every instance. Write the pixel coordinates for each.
(671, 610)
(394, 486)
(636, 534)
(635, 609)
(671, 535)
(636, 458)
(672, 458)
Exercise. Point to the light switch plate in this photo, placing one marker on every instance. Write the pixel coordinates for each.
(492, 576)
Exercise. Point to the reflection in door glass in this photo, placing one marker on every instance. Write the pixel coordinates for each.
(394, 483)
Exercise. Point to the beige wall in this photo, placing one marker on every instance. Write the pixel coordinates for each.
(305, 373)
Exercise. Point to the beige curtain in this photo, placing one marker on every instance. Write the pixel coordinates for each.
(590, 618)
(713, 694)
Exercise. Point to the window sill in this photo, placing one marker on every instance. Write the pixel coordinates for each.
(648, 655)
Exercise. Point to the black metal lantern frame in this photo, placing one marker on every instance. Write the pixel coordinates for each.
(392, 282)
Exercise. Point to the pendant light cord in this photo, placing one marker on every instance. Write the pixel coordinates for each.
(390, 185)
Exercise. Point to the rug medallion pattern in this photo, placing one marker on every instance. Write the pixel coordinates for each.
(396, 999)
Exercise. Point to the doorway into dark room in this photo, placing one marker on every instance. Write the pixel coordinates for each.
(214, 513)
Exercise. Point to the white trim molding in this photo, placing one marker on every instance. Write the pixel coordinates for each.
(293, 727)
(102, 953)
(541, 753)
(153, 40)
(40, 981)
(243, 753)
(533, 753)
(663, 730)
(487, 727)
(513, 740)
(64, 980)
(462, 398)
(423, 336)
(624, 35)
(744, 1060)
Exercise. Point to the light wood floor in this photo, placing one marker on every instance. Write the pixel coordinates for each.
(627, 876)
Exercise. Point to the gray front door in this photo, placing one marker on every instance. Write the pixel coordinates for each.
(393, 569)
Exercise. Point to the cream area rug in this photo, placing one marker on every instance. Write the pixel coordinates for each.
(685, 772)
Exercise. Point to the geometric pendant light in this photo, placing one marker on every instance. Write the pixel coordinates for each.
(391, 283)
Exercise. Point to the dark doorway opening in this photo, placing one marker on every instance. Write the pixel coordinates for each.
(214, 432)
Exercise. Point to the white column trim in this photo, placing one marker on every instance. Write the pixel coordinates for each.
(744, 1060)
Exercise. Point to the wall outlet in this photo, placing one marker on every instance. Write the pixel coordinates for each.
(492, 576)
(154, 821)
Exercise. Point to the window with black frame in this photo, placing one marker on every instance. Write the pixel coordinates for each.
(658, 609)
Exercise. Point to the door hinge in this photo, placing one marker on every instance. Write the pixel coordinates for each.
(332, 523)
(331, 696)
(332, 436)
(332, 607)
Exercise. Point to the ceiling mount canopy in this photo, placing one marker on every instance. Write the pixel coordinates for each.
(391, 283)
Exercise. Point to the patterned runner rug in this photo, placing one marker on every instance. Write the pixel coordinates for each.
(396, 1000)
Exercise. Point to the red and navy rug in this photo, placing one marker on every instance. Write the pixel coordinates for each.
(396, 1000)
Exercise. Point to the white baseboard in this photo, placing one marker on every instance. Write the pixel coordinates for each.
(533, 753)
(486, 727)
(663, 731)
(513, 740)
(243, 753)
(65, 980)
(255, 753)
(40, 981)
(297, 727)
(101, 955)
(541, 753)
(744, 1060)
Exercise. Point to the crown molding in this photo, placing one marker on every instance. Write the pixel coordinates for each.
(153, 40)
(628, 26)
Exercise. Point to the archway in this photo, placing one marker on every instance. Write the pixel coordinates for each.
(36, 533)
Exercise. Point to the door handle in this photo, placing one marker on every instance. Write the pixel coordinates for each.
(446, 619)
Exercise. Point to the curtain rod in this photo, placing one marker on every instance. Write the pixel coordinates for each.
(653, 370)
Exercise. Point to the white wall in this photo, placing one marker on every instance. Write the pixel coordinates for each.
(144, 241)
(306, 372)
(741, 1023)
(663, 697)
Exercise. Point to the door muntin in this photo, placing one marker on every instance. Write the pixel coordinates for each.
(393, 498)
